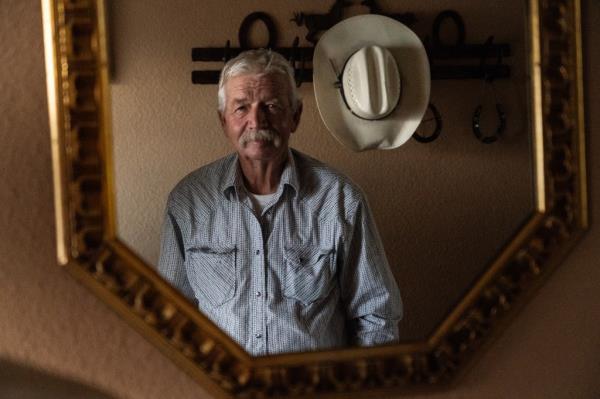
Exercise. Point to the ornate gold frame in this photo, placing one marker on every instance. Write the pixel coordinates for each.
(77, 71)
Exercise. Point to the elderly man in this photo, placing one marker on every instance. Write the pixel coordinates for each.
(277, 249)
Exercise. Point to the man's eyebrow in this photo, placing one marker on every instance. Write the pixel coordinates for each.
(237, 102)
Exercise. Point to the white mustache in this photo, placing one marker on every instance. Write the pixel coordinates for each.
(260, 135)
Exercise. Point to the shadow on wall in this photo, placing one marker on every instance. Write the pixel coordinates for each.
(20, 382)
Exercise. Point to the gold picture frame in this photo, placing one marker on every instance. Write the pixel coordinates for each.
(88, 247)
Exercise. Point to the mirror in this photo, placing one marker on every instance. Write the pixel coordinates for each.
(481, 226)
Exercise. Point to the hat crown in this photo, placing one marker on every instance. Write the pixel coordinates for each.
(371, 82)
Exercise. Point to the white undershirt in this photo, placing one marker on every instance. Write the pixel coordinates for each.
(260, 201)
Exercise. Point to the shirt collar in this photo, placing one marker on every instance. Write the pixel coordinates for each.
(234, 182)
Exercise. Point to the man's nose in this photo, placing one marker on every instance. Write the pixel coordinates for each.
(257, 117)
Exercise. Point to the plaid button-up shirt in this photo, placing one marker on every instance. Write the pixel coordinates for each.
(308, 273)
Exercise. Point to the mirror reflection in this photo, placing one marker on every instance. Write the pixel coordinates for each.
(443, 210)
(279, 250)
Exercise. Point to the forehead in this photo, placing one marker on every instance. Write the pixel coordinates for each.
(257, 87)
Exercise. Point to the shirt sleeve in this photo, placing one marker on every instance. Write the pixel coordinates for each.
(368, 287)
(171, 263)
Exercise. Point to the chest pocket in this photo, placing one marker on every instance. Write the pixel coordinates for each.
(310, 274)
(212, 273)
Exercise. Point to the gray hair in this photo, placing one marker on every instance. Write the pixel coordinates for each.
(259, 61)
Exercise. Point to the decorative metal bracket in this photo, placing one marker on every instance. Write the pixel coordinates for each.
(315, 23)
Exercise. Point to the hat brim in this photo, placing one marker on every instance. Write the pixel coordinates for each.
(334, 48)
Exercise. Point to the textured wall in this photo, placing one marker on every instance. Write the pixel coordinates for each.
(50, 323)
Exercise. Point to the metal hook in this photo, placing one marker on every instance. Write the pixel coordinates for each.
(302, 69)
(226, 51)
(489, 74)
(488, 80)
(294, 52)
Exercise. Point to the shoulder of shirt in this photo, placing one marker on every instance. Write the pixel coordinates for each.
(317, 177)
(204, 181)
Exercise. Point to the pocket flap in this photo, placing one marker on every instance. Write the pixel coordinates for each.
(310, 273)
(212, 272)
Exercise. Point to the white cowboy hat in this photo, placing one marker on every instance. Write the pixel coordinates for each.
(371, 80)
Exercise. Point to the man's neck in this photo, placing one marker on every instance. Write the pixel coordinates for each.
(262, 177)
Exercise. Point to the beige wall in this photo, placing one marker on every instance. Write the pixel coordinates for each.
(51, 323)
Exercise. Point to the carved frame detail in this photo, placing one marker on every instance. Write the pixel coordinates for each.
(77, 69)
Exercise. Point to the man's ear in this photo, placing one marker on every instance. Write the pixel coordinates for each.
(221, 118)
(296, 117)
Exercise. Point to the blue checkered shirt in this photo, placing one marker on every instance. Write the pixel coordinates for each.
(308, 273)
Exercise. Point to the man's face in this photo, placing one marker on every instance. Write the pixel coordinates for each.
(258, 117)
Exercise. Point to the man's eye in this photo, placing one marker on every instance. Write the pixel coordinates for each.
(240, 108)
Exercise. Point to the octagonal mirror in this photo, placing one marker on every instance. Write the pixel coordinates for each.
(468, 227)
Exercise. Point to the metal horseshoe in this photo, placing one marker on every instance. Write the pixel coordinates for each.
(438, 126)
(247, 24)
(488, 139)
